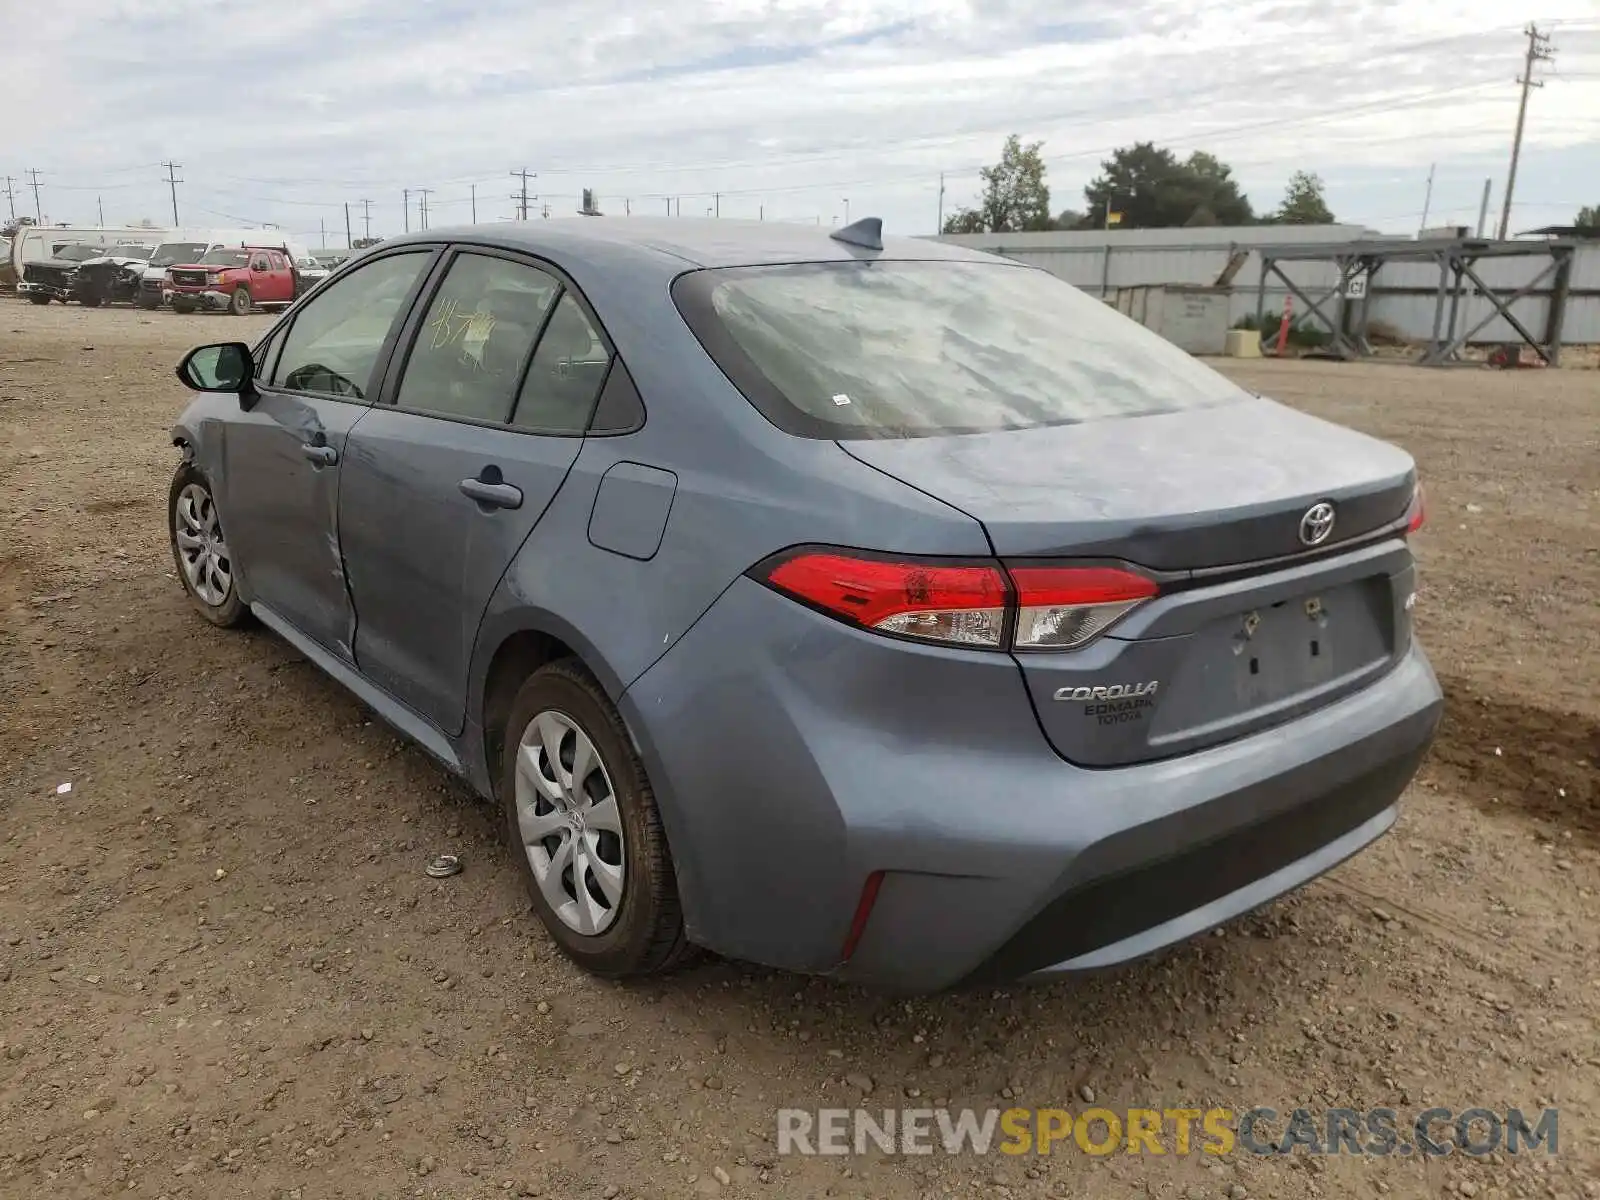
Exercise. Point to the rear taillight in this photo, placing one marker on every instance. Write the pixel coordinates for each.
(1417, 513)
(1062, 608)
(964, 605)
(977, 605)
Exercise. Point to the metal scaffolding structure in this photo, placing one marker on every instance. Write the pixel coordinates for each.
(1359, 264)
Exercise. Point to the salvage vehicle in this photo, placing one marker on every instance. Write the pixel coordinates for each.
(189, 246)
(234, 279)
(152, 281)
(113, 276)
(39, 243)
(855, 605)
(61, 277)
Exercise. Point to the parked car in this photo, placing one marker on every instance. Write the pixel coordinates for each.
(861, 606)
(189, 246)
(76, 272)
(310, 271)
(113, 276)
(235, 279)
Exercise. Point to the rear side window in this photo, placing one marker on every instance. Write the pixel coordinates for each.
(564, 379)
(337, 337)
(897, 349)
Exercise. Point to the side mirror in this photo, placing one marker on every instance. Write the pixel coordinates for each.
(224, 367)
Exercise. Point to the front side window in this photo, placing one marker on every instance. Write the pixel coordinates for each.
(475, 338)
(896, 349)
(336, 339)
(568, 368)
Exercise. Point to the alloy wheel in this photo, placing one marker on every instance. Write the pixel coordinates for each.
(202, 550)
(570, 824)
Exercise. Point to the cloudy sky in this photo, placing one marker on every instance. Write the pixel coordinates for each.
(788, 109)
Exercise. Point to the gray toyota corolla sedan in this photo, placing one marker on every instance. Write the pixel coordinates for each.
(867, 607)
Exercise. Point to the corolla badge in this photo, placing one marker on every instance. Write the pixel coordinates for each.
(1317, 524)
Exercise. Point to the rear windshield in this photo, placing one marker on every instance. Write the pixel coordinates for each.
(895, 349)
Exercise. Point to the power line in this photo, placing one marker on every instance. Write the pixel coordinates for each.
(522, 196)
(33, 180)
(173, 181)
(1538, 51)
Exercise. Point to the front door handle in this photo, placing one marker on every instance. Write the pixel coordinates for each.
(494, 495)
(322, 455)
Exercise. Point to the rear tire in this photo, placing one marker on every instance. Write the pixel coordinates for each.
(183, 306)
(36, 298)
(609, 896)
(240, 304)
(199, 549)
(90, 300)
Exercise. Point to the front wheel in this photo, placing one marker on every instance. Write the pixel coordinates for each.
(200, 550)
(240, 304)
(37, 298)
(183, 306)
(585, 829)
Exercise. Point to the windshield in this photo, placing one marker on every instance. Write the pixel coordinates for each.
(176, 252)
(77, 253)
(131, 251)
(895, 349)
(227, 258)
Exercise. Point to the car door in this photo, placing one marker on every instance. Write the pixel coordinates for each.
(282, 457)
(449, 473)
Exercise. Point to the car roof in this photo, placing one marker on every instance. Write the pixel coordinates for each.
(697, 242)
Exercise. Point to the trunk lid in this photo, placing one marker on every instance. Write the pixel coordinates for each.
(1248, 631)
(1197, 489)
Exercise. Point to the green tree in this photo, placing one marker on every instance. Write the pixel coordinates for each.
(1069, 218)
(1589, 217)
(1015, 195)
(1154, 189)
(1304, 202)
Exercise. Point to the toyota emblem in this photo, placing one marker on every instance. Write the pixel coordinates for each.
(1317, 524)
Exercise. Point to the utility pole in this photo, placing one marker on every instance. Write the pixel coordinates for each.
(366, 217)
(11, 198)
(669, 206)
(1427, 199)
(1483, 209)
(322, 227)
(939, 228)
(474, 204)
(173, 181)
(1538, 51)
(521, 194)
(100, 207)
(405, 194)
(422, 205)
(717, 201)
(847, 210)
(33, 180)
(347, 238)
(627, 206)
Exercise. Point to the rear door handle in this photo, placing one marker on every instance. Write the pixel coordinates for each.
(495, 495)
(324, 455)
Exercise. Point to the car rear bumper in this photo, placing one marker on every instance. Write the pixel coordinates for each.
(794, 758)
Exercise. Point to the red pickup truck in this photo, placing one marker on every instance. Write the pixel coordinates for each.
(234, 278)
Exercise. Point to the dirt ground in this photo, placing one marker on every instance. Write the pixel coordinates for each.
(223, 972)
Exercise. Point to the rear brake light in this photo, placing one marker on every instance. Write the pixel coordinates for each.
(1062, 608)
(1417, 513)
(963, 604)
